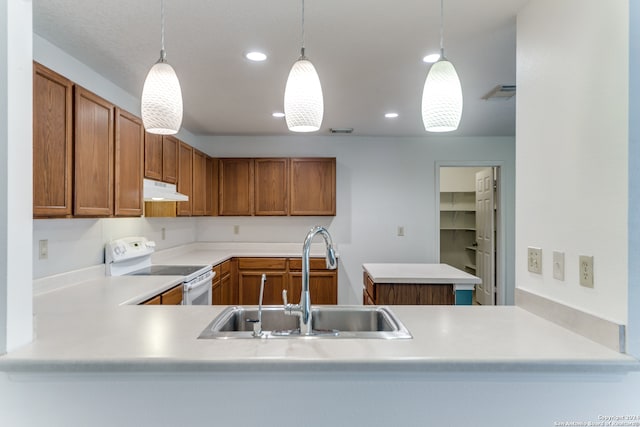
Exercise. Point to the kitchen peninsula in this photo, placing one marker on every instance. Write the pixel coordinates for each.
(92, 326)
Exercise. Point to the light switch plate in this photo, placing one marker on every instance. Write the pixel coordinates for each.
(558, 265)
(534, 260)
(586, 271)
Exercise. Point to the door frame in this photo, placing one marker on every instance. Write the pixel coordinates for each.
(501, 256)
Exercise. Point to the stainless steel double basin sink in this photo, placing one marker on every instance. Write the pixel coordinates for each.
(328, 322)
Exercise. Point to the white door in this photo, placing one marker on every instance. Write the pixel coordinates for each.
(485, 237)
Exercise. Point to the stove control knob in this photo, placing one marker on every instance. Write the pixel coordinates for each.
(117, 250)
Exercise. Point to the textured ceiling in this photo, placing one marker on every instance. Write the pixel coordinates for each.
(367, 52)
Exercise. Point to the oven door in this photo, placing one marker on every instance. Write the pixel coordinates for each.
(198, 290)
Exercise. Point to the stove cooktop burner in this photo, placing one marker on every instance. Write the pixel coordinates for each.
(167, 270)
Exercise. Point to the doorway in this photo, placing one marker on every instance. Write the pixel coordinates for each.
(470, 227)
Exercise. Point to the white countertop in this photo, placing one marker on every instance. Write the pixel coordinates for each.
(89, 327)
(418, 273)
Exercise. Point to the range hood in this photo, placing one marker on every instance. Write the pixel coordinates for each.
(156, 191)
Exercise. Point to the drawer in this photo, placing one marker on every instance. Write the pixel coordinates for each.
(262, 263)
(216, 270)
(295, 264)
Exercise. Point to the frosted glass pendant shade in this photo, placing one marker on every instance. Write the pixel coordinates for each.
(162, 100)
(442, 98)
(303, 103)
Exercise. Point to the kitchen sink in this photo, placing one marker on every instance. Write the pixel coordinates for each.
(328, 322)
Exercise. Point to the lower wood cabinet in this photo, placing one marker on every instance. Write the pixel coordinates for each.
(223, 290)
(241, 283)
(406, 293)
(250, 272)
(171, 297)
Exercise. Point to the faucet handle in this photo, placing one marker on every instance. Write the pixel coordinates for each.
(284, 297)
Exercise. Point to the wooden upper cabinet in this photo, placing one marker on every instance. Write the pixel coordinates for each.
(170, 146)
(153, 156)
(161, 157)
(185, 184)
(52, 143)
(211, 187)
(199, 189)
(236, 186)
(129, 142)
(313, 186)
(271, 186)
(93, 155)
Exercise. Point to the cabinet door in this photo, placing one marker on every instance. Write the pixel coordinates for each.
(93, 155)
(249, 285)
(170, 159)
(153, 156)
(154, 301)
(313, 186)
(228, 295)
(129, 141)
(199, 183)
(271, 186)
(211, 188)
(173, 296)
(52, 142)
(185, 172)
(236, 187)
(323, 287)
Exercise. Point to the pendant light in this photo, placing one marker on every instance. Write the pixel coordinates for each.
(161, 95)
(442, 94)
(303, 103)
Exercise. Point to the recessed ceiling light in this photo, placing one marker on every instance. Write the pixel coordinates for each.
(278, 115)
(255, 56)
(391, 115)
(431, 58)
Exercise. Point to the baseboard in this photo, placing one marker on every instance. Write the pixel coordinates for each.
(602, 331)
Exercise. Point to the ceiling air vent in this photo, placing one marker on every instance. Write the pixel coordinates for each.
(501, 92)
(341, 130)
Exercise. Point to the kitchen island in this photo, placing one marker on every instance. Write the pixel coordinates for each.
(417, 283)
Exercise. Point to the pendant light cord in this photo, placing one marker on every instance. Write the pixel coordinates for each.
(163, 54)
(441, 29)
(302, 35)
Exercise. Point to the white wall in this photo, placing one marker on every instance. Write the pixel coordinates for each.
(15, 174)
(382, 183)
(633, 336)
(79, 243)
(458, 179)
(572, 148)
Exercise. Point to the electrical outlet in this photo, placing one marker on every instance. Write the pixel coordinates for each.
(236, 229)
(586, 271)
(400, 231)
(558, 265)
(534, 260)
(43, 249)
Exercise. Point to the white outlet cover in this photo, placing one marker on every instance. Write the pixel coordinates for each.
(534, 260)
(585, 271)
(558, 265)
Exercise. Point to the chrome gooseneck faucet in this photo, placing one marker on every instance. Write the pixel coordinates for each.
(303, 309)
